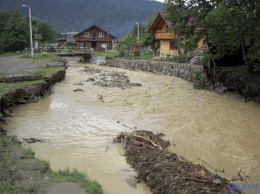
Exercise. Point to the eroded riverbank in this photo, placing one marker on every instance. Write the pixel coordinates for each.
(221, 130)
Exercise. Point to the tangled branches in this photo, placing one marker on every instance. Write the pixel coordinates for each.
(165, 172)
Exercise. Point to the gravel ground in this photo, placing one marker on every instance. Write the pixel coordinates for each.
(16, 65)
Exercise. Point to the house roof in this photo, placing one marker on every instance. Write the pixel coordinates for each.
(37, 37)
(93, 27)
(158, 23)
(62, 36)
(69, 36)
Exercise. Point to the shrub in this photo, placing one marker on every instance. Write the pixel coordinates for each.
(198, 79)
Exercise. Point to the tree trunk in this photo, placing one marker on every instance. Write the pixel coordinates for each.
(212, 59)
(250, 66)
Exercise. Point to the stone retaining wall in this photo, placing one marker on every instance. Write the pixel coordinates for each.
(182, 70)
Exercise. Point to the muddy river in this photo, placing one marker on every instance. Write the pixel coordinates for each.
(79, 128)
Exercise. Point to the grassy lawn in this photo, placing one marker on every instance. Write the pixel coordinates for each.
(21, 172)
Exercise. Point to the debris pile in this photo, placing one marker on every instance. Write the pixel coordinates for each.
(114, 79)
(110, 79)
(165, 172)
(92, 70)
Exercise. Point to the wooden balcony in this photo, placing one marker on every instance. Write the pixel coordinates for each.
(82, 38)
(164, 35)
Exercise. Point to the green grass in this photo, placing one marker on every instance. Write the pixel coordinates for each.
(17, 85)
(47, 71)
(3, 89)
(106, 54)
(8, 54)
(21, 172)
(66, 175)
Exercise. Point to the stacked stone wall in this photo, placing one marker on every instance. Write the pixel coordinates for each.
(182, 70)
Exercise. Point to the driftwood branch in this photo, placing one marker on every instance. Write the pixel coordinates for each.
(147, 139)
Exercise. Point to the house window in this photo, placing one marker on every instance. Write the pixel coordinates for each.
(83, 45)
(173, 45)
(86, 34)
(101, 34)
(104, 45)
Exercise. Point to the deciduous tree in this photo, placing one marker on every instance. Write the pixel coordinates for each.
(47, 32)
(227, 25)
(15, 34)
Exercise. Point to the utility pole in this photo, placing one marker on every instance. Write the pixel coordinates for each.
(30, 24)
(137, 31)
(107, 33)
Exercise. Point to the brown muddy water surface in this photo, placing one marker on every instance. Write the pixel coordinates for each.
(223, 131)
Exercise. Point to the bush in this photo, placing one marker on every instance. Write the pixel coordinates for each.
(198, 79)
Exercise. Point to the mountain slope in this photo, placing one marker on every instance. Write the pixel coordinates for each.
(76, 15)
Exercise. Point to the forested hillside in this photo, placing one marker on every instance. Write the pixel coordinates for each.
(76, 15)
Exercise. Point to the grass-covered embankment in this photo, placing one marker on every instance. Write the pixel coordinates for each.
(6, 87)
(46, 72)
(21, 172)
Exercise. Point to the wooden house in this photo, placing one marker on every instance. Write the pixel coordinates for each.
(95, 38)
(166, 39)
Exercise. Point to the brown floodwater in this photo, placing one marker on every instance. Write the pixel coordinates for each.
(220, 130)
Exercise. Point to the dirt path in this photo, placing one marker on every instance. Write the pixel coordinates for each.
(66, 188)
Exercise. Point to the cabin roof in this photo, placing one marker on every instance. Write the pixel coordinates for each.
(37, 37)
(158, 23)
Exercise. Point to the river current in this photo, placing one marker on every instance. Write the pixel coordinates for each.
(219, 131)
